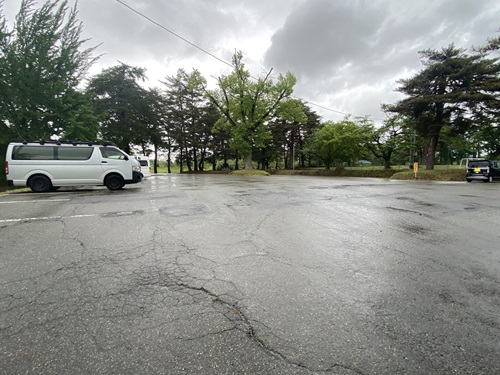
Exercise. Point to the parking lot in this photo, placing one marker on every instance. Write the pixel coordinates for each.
(219, 274)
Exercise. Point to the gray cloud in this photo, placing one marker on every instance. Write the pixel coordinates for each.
(352, 53)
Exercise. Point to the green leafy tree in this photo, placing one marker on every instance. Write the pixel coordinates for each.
(288, 136)
(451, 89)
(42, 61)
(339, 142)
(247, 104)
(392, 136)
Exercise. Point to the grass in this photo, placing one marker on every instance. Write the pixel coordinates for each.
(434, 175)
(249, 172)
(440, 173)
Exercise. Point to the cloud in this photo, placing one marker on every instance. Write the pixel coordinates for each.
(346, 55)
(349, 55)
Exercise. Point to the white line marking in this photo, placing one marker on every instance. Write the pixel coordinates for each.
(27, 219)
(37, 201)
(24, 219)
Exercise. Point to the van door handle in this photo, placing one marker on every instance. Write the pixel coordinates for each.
(104, 162)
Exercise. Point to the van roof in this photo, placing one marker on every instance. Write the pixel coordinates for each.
(64, 142)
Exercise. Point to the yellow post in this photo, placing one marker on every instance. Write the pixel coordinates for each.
(415, 169)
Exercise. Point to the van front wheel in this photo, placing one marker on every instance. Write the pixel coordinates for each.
(39, 184)
(114, 182)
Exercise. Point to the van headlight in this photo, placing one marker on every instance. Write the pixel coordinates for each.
(136, 168)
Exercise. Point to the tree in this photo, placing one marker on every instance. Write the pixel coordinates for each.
(450, 89)
(41, 64)
(393, 135)
(121, 103)
(186, 116)
(198, 129)
(247, 105)
(492, 44)
(339, 142)
(154, 118)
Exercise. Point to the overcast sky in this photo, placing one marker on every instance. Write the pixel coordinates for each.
(346, 54)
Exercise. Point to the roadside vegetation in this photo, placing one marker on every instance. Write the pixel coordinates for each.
(450, 111)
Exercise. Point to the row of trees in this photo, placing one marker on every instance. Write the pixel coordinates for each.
(451, 105)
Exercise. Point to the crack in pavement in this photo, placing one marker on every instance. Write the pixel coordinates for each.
(126, 285)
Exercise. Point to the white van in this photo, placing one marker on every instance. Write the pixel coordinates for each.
(145, 166)
(46, 166)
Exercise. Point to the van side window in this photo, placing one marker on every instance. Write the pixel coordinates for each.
(111, 153)
(74, 153)
(33, 153)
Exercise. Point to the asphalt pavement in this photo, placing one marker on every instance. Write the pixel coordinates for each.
(219, 274)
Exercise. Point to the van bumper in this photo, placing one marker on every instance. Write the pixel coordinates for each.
(10, 183)
(477, 177)
(136, 177)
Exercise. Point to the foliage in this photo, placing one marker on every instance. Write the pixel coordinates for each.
(394, 135)
(154, 118)
(451, 89)
(121, 103)
(41, 64)
(247, 104)
(339, 142)
(189, 117)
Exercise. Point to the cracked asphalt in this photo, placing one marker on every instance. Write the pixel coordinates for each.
(218, 274)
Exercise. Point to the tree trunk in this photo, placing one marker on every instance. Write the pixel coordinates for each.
(248, 160)
(181, 163)
(301, 148)
(187, 153)
(214, 160)
(387, 160)
(291, 151)
(430, 156)
(168, 160)
(237, 163)
(155, 166)
(195, 159)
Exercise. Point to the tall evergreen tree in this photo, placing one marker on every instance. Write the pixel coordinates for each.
(451, 89)
(186, 116)
(42, 61)
(121, 103)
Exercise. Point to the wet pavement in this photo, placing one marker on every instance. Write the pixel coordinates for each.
(218, 274)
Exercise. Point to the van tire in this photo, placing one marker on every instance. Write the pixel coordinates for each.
(39, 184)
(114, 182)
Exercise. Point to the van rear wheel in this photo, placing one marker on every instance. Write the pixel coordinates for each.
(39, 184)
(114, 182)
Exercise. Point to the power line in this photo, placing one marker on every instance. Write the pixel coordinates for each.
(173, 33)
(212, 55)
